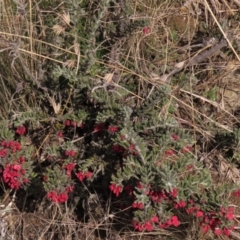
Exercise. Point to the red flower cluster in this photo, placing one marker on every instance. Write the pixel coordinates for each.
(180, 204)
(81, 175)
(175, 137)
(70, 153)
(62, 197)
(169, 152)
(14, 146)
(236, 193)
(72, 123)
(116, 189)
(148, 225)
(138, 205)
(210, 220)
(14, 175)
(146, 30)
(21, 130)
(113, 129)
(186, 149)
(158, 196)
(173, 221)
(69, 167)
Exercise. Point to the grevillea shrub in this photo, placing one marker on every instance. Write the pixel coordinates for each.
(141, 155)
(16, 164)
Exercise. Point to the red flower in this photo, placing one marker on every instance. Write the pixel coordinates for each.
(226, 231)
(175, 137)
(67, 122)
(69, 167)
(113, 129)
(138, 226)
(154, 219)
(236, 193)
(21, 130)
(57, 197)
(138, 205)
(70, 153)
(186, 149)
(146, 30)
(148, 226)
(218, 231)
(45, 178)
(22, 160)
(88, 174)
(81, 176)
(73, 123)
(175, 221)
(60, 134)
(13, 175)
(3, 152)
(115, 189)
(69, 189)
(169, 152)
(205, 227)
(174, 193)
(189, 167)
(180, 204)
(228, 213)
(199, 214)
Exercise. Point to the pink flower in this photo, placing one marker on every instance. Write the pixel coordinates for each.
(218, 231)
(226, 232)
(16, 167)
(175, 137)
(180, 204)
(73, 123)
(70, 153)
(146, 30)
(174, 193)
(116, 189)
(88, 174)
(21, 130)
(154, 219)
(186, 149)
(81, 176)
(138, 205)
(169, 152)
(69, 189)
(57, 197)
(199, 214)
(175, 221)
(13, 175)
(22, 160)
(67, 122)
(69, 167)
(205, 227)
(113, 129)
(3, 152)
(60, 134)
(148, 226)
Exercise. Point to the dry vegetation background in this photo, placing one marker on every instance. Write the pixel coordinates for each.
(191, 48)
